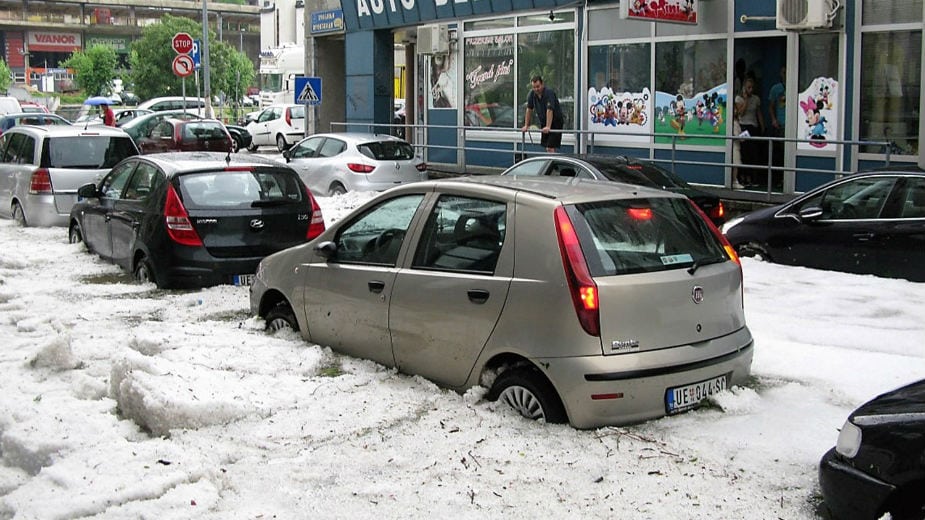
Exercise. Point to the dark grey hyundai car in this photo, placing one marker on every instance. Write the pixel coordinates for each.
(194, 218)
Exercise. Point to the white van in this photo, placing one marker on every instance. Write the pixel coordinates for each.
(9, 105)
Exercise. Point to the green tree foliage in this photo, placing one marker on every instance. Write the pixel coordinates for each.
(152, 56)
(5, 77)
(94, 69)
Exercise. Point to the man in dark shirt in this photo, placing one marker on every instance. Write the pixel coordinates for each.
(548, 111)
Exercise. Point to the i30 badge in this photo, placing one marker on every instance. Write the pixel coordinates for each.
(697, 294)
(257, 223)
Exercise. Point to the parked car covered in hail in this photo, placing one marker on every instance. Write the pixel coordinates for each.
(41, 168)
(340, 162)
(277, 125)
(866, 223)
(194, 219)
(572, 300)
(620, 168)
(878, 464)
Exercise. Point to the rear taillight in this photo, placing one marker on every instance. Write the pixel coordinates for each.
(360, 168)
(179, 227)
(581, 286)
(730, 251)
(40, 183)
(289, 117)
(316, 226)
(422, 167)
(718, 212)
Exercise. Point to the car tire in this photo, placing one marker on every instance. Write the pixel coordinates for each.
(19, 215)
(337, 189)
(74, 234)
(252, 148)
(529, 393)
(754, 250)
(281, 317)
(281, 143)
(235, 144)
(143, 272)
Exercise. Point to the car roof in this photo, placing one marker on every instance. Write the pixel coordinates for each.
(69, 130)
(566, 190)
(178, 162)
(359, 137)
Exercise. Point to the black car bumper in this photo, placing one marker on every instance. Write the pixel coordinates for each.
(849, 493)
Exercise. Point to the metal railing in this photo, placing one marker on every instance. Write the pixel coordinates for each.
(592, 140)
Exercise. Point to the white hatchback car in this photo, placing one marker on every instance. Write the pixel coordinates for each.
(278, 125)
(336, 163)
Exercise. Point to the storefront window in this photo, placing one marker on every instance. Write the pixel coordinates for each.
(690, 90)
(819, 92)
(619, 97)
(550, 55)
(878, 12)
(489, 81)
(891, 64)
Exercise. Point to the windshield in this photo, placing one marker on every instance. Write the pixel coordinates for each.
(87, 151)
(643, 235)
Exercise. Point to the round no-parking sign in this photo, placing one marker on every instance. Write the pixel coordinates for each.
(183, 65)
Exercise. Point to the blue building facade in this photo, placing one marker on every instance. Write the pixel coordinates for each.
(838, 82)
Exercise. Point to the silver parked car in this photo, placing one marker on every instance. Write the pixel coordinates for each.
(41, 168)
(591, 302)
(340, 162)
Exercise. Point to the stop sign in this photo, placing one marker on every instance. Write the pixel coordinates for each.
(182, 43)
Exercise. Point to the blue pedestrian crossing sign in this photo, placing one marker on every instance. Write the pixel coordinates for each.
(307, 90)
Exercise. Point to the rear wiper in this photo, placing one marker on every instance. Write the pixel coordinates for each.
(704, 261)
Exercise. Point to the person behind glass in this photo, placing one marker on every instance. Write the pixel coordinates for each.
(109, 118)
(777, 110)
(543, 99)
(752, 122)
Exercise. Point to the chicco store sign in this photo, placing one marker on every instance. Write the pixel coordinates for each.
(44, 41)
(361, 15)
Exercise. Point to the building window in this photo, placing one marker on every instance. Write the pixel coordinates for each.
(891, 64)
(550, 55)
(690, 90)
(880, 12)
(819, 93)
(619, 98)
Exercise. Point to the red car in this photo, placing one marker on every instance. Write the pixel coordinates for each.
(193, 135)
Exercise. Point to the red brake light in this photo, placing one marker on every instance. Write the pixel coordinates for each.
(289, 117)
(40, 183)
(316, 226)
(730, 251)
(581, 286)
(179, 227)
(422, 167)
(640, 213)
(718, 211)
(637, 167)
(360, 168)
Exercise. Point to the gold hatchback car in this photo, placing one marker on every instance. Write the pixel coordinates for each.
(591, 302)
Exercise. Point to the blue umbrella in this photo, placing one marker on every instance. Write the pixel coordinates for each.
(98, 100)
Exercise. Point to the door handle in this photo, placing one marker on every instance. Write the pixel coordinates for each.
(478, 295)
(375, 286)
(863, 237)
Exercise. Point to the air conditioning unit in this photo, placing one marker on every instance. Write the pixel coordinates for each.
(804, 14)
(433, 39)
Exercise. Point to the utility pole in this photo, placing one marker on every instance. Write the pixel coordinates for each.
(206, 71)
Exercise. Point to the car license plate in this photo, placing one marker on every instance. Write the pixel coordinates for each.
(682, 398)
(243, 279)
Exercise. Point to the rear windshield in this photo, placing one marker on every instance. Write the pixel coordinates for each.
(297, 112)
(387, 150)
(203, 131)
(241, 189)
(87, 151)
(643, 235)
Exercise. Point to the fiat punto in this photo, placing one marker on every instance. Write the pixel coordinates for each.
(596, 303)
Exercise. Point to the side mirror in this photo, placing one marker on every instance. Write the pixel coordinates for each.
(810, 213)
(87, 191)
(287, 154)
(326, 249)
